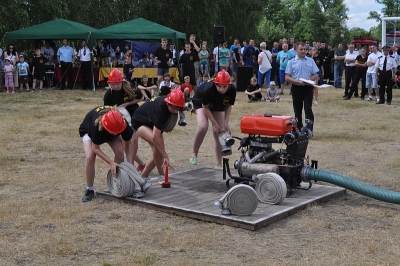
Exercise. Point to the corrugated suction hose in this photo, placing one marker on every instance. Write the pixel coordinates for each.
(352, 184)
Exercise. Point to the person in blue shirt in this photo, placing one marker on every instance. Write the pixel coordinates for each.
(23, 73)
(283, 58)
(65, 56)
(302, 67)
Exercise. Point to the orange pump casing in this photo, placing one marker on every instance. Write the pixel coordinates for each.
(273, 126)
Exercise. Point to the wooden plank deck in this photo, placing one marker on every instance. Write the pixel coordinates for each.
(193, 193)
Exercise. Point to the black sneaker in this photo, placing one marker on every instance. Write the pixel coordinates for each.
(389, 103)
(89, 195)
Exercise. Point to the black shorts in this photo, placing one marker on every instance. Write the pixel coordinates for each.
(136, 124)
(197, 104)
(39, 76)
(23, 79)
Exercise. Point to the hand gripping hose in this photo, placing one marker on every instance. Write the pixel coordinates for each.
(240, 200)
(352, 184)
(270, 188)
(128, 182)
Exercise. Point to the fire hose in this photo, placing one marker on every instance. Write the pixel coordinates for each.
(240, 200)
(366, 189)
(128, 182)
(270, 188)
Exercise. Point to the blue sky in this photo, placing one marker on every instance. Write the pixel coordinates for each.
(358, 13)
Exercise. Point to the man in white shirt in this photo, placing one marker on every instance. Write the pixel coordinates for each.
(216, 57)
(386, 66)
(84, 55)
(350, 61)
(372, 80)
(264, 66)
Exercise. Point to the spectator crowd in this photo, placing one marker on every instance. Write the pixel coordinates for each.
(374, 69)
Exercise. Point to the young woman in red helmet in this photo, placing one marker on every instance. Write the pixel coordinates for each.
(118, 95)
(151, 120)
(101, 125)
(213, 101)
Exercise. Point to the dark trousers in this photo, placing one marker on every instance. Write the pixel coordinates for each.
(358, 75)
(327, 70)
(302, 96)
(87, 79)
(349, 77)
(65, 75)
(275, 73)
(385, 84)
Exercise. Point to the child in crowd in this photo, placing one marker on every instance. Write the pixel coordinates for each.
(204, 64)
(273, 93)
(166, 85)
(9, 76)
(23, 73)
(253, 91)
(38, 72)
(187, 89)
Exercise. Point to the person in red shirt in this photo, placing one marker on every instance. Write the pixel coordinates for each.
(187, 89)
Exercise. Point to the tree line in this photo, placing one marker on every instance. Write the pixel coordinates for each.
(312, 20)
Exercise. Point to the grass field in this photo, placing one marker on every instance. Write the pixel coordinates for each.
(43, 222)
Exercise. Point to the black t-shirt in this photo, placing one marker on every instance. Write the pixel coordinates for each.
(208, 95)
(195, 53)
(153, 113)
(97, 136)
(40, 69)
(118, 97)
(324, 53)
(252, 88)
(361, 60)
(187, 62)
(163, 55)
(318, 61)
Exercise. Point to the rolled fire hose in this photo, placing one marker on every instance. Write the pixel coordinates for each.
(127, 183)
(240, 200)
(270, 188)
(352, 184)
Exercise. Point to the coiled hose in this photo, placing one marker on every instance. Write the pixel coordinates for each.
(240, 200)
(350, 183)
(270, 188)
(128, 182)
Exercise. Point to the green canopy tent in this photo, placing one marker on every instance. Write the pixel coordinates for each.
(138, 29)
(54, 29)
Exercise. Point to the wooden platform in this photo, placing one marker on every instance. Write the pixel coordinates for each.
(194, 192)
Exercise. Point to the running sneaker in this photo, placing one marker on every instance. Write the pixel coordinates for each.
(88, 195)
(193, 160)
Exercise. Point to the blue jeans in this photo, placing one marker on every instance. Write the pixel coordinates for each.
(264, 77)
(338, 74)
